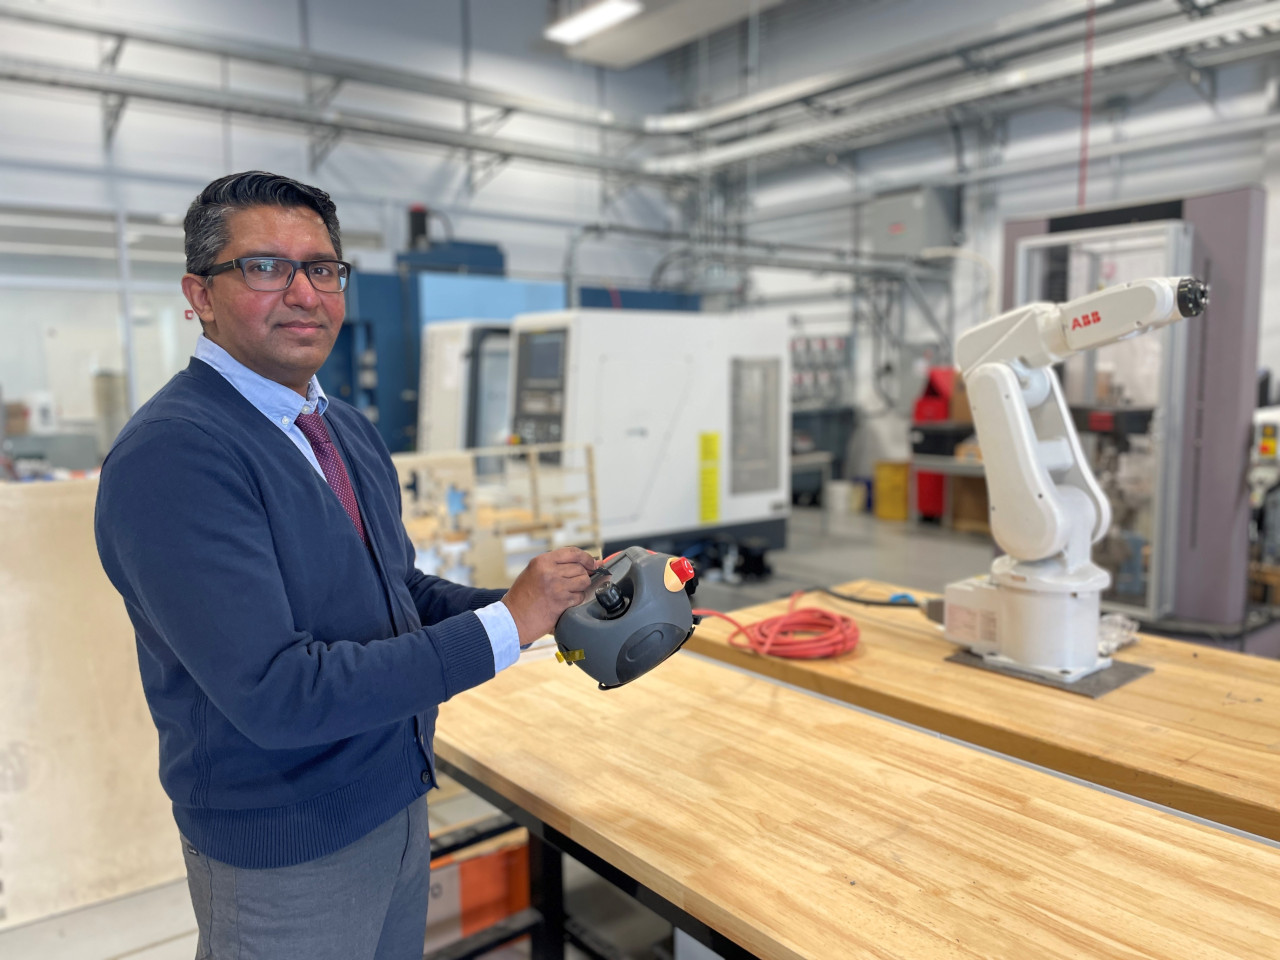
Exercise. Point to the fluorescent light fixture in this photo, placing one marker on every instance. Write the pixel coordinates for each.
(591, 20)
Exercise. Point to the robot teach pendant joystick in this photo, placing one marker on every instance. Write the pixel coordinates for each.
(640, 613)
(1037, 611)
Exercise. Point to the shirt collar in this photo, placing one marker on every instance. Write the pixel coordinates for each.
(276, 401)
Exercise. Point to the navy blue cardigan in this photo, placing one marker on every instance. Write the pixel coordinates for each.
(287, 666)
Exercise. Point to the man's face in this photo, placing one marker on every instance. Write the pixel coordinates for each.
(285, 335)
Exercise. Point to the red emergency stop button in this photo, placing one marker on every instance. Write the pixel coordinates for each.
(682, 568)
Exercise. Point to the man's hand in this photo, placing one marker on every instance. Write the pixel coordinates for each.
(551, 584)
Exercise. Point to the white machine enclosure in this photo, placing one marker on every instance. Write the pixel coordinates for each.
(465, 379)
(688, 414)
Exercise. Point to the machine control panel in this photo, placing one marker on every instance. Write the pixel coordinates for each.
(539, 389)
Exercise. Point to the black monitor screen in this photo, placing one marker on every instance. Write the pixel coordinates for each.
(546, 356)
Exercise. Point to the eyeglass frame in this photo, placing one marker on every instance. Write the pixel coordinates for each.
(226, 265)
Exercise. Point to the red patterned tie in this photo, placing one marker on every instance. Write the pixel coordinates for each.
(313, 428)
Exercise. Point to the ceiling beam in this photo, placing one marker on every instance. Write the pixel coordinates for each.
(311, 116)
(84, 21)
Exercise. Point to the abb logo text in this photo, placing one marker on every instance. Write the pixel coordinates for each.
(1085, 320)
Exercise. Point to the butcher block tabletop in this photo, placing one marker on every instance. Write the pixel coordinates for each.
(799, 827)
(1200, 733)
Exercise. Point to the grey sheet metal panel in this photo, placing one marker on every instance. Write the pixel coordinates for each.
(1015, 230)
(755, 437)
(1212, 575)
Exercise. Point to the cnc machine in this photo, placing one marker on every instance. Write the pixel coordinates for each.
(687, 414)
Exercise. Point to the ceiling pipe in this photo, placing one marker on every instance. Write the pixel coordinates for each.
(940, 59)
(1130, 46)
(980, 59)
(307, 115)
(84, 21)
(951, 55)
(679, 236)
(890, 119)
(767, 254)
(1220, 132)
(854, 266)
(1151, 74)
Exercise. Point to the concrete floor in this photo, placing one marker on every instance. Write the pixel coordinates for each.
(158, 924)
(825, 551)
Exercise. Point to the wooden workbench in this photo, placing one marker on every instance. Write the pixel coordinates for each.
(801, 828)
(1201, 733)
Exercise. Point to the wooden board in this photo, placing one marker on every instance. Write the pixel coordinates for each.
(801, 828)
(1201, 733)
(82, 813)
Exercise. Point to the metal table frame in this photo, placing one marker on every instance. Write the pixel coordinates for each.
(552, 926)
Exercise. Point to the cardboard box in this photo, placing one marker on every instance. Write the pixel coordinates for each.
(860, 496)
(17, 419)
(960, 410)
(970, 512)
(476, 887)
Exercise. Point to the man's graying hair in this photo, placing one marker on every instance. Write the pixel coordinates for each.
(206, 222)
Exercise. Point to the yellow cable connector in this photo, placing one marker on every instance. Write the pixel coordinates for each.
(572, 656)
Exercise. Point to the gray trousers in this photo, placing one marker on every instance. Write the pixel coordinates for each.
(367, 901)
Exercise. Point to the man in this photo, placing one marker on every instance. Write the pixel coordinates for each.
(292, 656)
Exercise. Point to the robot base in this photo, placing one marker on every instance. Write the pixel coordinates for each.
(1031, 618)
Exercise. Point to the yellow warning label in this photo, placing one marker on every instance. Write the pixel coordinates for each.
(709, 448)
(1267, 448)
(709, 477)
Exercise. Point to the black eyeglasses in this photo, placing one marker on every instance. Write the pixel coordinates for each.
(269, 274)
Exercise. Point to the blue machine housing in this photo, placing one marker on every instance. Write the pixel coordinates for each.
(375, 360)
(364, 367)
(612, 297)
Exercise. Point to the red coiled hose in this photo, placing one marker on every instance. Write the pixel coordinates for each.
(809, 633)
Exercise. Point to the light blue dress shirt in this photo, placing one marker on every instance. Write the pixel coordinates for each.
(281, 406)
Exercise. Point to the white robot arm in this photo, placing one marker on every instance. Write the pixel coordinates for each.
(1030, 447)
(1047, 508)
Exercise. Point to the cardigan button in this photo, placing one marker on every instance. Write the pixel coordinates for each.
(426, 776)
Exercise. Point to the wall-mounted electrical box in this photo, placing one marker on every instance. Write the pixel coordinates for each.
(903, 224)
